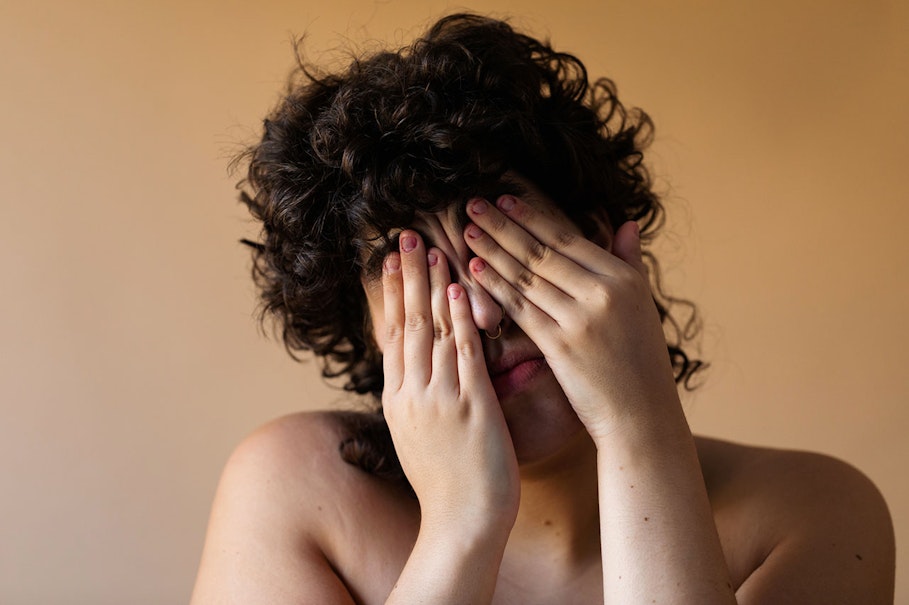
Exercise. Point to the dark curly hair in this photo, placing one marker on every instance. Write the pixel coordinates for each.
(362, 151)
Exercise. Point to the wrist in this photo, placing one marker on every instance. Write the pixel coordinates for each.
(453, 561)
(468, 523)
(464, 539)
(648, 424)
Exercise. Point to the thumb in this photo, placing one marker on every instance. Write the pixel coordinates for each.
(627, 246)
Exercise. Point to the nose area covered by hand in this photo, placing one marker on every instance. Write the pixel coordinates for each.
(487, 313)
(444, 230)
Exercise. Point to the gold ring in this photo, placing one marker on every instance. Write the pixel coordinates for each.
(498, 333)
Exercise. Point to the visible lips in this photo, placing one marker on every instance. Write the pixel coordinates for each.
(511, 359)
(514, 372)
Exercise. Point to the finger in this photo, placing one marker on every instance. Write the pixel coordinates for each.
(519, 256)
(444, 358)
(627, 246)
(393, 301)
(556, 231)
(473, 375)
(533, 286)
(417, 309)
(535, 322)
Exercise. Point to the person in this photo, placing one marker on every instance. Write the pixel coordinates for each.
(461, 230)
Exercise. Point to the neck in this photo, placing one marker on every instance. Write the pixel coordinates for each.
(559, 516)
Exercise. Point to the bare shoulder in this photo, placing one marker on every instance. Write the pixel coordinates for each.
(294, 454)
(798, 526)
(285, 506)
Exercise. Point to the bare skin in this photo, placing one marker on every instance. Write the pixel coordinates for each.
(553, 465)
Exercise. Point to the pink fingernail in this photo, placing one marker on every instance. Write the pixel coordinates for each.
(478, 206)
(408, 243)
(478, 265)
(454, 291)
(432, 259)
(506, 203)
(473, 231)
(392, 263)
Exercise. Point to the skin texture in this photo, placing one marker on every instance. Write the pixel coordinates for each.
(574, 479)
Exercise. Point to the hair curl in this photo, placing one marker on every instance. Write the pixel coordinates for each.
(364, 150)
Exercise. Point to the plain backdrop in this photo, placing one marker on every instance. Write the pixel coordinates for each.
(130, 360)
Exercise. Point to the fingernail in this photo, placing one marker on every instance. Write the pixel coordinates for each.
(392, 263)
(474, 231)
(454, 291)
(432, 259)
(506, 203)
(408, 243)
(478, 206)
(477, 265)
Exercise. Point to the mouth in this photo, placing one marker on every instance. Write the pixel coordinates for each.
(514, 373)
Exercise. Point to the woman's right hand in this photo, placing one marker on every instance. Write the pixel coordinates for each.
(445, 420)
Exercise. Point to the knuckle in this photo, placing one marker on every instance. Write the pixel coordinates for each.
(393, 333)
(585, 325)
(518, 304)
(467, 349)
(565, 239)
(461, 408)
(442, 330)
(416, 321)
(538, 253)
(600, 290)
(525, 280)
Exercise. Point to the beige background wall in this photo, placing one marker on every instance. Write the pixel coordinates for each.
(129, 361)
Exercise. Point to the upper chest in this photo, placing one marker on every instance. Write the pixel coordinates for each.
(375, 548)
(375, 527)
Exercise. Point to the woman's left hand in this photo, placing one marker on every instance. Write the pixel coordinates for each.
(589, 310)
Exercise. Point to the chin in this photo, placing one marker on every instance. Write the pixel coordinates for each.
(541, 421)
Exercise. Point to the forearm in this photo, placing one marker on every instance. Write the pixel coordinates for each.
(451, 566)
(658, 537)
